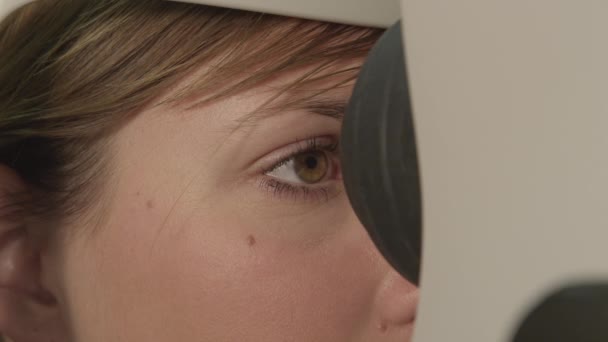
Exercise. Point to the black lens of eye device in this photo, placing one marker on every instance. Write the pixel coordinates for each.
(380, 166)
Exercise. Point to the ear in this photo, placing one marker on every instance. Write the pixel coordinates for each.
(28, 311)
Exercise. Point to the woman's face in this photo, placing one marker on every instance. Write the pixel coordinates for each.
(220, 229)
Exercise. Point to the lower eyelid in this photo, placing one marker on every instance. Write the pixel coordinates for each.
(282, 190)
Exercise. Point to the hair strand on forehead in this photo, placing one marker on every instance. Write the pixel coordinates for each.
(73, 72)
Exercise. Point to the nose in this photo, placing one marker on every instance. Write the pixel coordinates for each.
(395, 299)
(396, 302)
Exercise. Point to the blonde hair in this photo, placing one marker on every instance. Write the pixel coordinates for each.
(72, 72)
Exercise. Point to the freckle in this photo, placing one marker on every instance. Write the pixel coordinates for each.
(137, 193)
(383, 327)
(250, 240)
(150, 204)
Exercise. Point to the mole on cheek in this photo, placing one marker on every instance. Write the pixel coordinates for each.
(150, 204)
(250, 240)
(383, 327)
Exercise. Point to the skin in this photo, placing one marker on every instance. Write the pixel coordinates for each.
(193, 248)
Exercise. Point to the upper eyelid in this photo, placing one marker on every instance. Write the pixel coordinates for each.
(301, 146)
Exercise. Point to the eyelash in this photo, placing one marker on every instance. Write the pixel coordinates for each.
(282, 189)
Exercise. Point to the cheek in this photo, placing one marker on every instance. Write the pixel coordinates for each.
(246, 284)
(225, 278)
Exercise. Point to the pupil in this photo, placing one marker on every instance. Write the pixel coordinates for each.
(311, 162)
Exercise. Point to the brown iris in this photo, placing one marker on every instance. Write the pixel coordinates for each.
(311, 167)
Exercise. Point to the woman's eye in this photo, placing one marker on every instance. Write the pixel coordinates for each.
(310, 167)
(310, 171)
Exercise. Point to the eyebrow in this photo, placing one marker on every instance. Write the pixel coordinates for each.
(326, 107)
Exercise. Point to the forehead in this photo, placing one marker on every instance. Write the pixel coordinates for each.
(283, 55)
(322, 85)
(320, 89)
